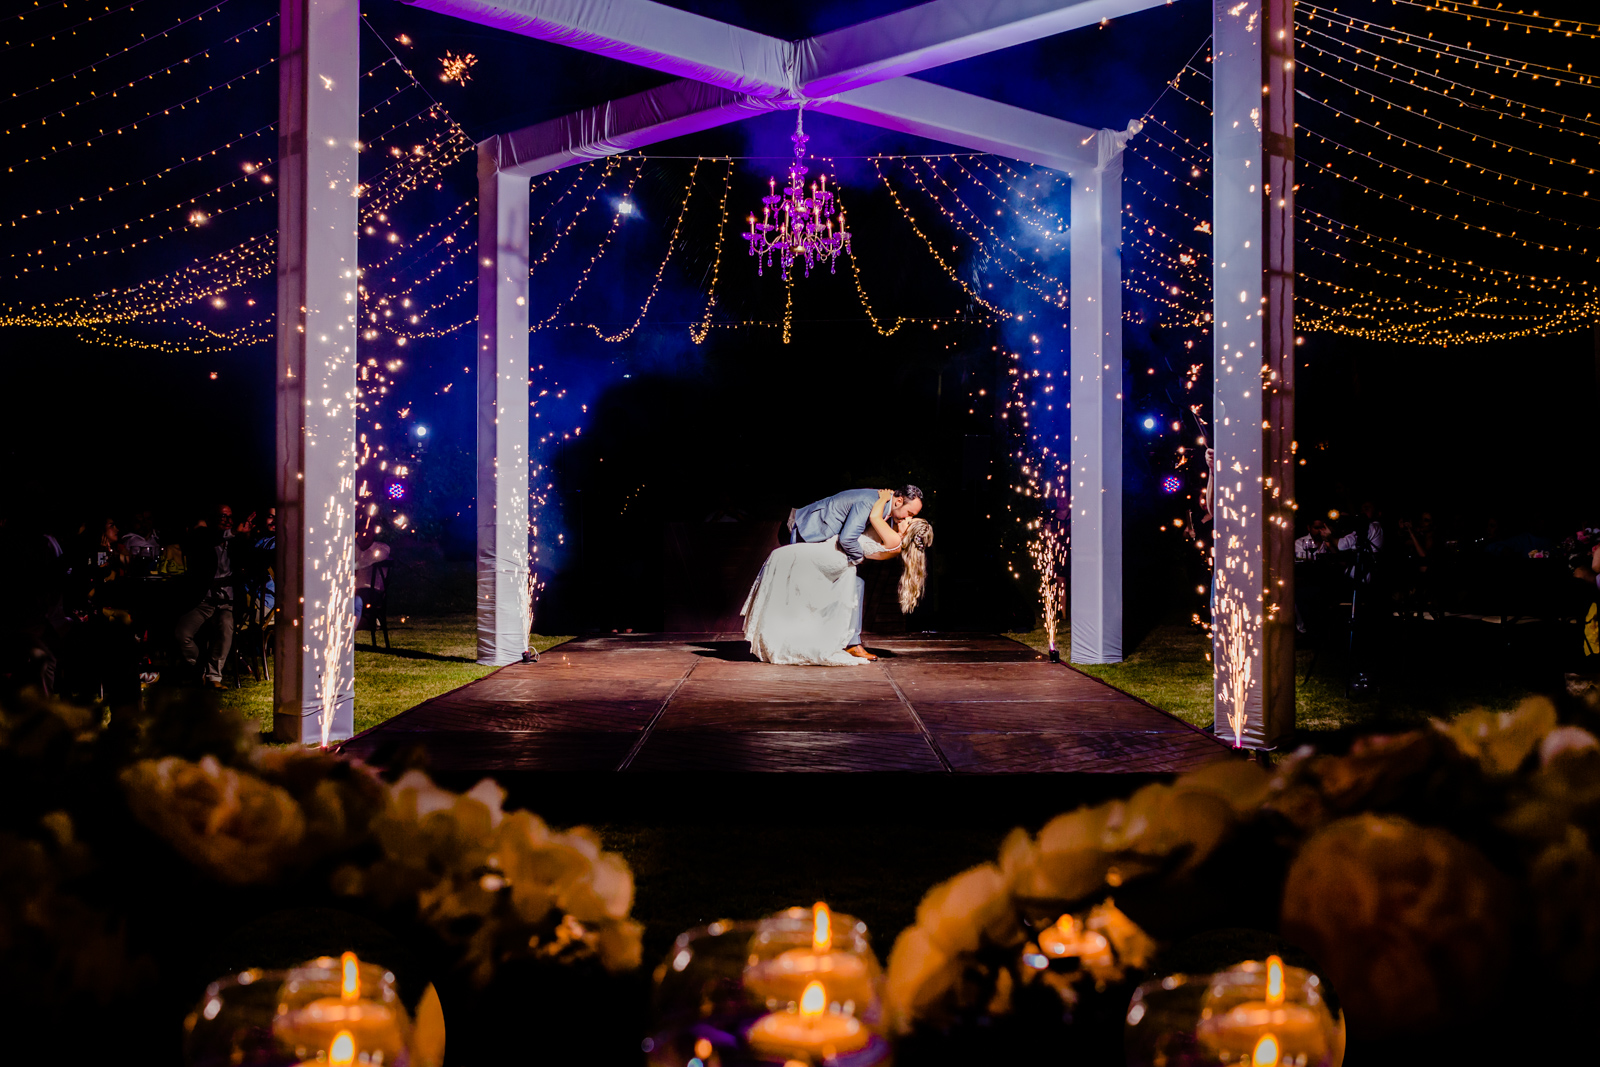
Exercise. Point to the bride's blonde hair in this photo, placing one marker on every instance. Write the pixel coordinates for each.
(915, 537)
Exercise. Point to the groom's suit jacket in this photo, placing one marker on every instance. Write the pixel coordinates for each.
(844, 514)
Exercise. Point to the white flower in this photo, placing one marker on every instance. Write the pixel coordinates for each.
(1565, 739)
(920, 975)
(430, 798)
(956, 914)
(489, 794)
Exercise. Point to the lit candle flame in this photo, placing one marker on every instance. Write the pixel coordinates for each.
(1274, 981)
(350, 986)
(815, 999)
(1266, 1053)
(821, 927)
(342, 1052)
(1065, 925)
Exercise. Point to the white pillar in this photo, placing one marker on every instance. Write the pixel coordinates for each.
(1095, 299)
(318, 109)
(505, 611)
(1253, 364)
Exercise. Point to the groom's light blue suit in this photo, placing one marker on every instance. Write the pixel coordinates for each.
(844, 515)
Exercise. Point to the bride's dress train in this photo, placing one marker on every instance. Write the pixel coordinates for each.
(802, 604)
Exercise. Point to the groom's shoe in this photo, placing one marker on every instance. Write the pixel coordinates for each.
(860, 652)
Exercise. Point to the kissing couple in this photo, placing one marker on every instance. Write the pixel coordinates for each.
(805, 605)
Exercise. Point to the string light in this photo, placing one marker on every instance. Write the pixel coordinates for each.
(1476, 57)
(1578, 29)
(107, 94)
(71, 30)
(915, 228)
(1437, 184)
(73, 75)
(698, 334)
(153, 176)
(655, 285)
(181, 105)
(1439, 124)
(1443, 94)
(1056, 298)
(605, 245)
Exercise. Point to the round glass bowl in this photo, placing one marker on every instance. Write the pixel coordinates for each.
(1269, 1013)
(785, 958)
(1162, 1016)
(338, 1010)
(732, 994)
(232, 1024)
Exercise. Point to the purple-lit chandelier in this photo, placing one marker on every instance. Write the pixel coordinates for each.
(799, 223)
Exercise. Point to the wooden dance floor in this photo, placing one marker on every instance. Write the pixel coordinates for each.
(698, 702)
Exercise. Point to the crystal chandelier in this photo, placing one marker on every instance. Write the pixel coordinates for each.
(797, 223)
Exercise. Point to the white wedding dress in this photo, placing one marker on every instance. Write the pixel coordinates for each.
(802, 604)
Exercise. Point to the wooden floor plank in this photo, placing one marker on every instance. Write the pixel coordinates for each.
(973, 703)
(787, 750)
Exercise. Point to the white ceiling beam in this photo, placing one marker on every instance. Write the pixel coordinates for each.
(643, 33)
(906, 105)
(653, 35)
(672, 110)
(934, 34)
(909, 105)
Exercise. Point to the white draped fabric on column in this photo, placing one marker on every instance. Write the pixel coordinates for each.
(318, 94)
(1095, 298)
(505, 609)
(1253, 365)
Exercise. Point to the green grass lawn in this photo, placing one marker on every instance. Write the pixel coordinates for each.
(1169, 668)
(428, 656)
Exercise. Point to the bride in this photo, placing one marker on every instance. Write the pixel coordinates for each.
(803, 603)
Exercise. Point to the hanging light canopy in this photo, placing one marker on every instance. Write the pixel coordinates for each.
(797, 223)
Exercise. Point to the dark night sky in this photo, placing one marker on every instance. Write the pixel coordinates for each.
(89, 426)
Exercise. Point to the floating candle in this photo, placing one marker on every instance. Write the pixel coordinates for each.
(1068, 938)
(783, 978)
(810, 1031)
(359, 1019)
(1280, 1017)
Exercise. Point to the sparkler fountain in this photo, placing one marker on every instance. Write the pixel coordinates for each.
(1049, 552)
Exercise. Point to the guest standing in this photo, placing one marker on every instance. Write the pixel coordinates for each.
(210, 574)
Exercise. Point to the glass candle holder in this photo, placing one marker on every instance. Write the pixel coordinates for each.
(1264, 1013)
(700, 1007)
(739, 994)
(1160, 1026)
(232, 1024)
(335, 1011)
(798, 946)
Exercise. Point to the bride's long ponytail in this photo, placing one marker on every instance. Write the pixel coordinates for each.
(915, 537)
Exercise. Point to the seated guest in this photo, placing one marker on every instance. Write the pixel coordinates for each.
(1367, 531)
(1419, 537)
(1588, 570)
(1317, 542)
(210, 576)
(141, 541)
(265, 553)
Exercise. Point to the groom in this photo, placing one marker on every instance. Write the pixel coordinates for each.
(845, 515)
